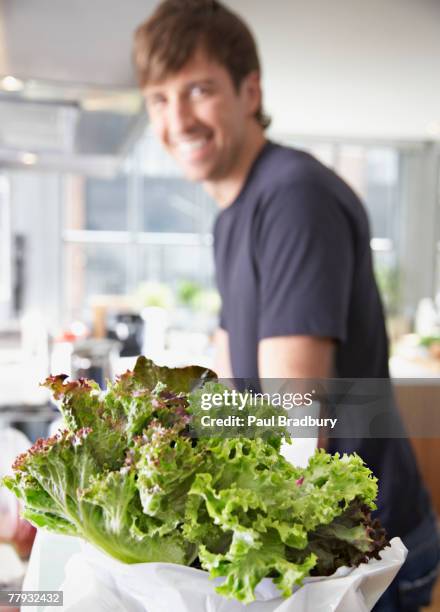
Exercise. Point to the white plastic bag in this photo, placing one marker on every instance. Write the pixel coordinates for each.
(95, 581)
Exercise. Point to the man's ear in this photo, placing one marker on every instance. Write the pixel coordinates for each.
(251, 88)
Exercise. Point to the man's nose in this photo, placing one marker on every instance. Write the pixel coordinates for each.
(180, 117)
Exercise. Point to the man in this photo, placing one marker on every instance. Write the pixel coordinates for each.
(291, 247)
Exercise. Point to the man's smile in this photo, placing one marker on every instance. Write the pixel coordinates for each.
(191, 148)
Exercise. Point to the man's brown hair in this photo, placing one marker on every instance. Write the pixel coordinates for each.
(167, 40)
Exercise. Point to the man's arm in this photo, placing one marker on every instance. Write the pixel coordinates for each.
(281, 357)
(295, 357)
(222, 360)
(287, 357)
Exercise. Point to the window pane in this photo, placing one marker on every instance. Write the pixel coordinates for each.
(106, 203)
(175, 205)
(374, 174)
(97, 204)
(388, 278)
(172, 264)
(382, 192)
(94, 269)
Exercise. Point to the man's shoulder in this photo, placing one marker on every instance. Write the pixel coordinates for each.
(287, 165)
(297, 176)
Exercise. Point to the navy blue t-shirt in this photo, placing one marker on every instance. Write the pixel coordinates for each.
(293, 257)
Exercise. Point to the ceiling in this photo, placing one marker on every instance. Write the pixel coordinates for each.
(82, 41)
(360, 70)
(79, 106)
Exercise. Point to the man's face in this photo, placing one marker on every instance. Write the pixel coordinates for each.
(200, 117)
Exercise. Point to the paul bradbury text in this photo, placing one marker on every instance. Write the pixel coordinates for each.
(280, 420)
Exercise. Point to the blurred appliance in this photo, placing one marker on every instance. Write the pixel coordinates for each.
(50, 127)
(95, 358)
(128, 329)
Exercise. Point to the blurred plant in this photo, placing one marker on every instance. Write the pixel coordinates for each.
(208, 300)
(188, 292)
(194, 297)
(154, 294)
(388, 279)
(428, 341)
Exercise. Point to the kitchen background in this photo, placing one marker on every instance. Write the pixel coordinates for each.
(105, 250)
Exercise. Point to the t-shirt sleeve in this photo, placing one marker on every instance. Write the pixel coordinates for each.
(305, 258)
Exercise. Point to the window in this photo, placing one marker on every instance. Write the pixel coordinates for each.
(5, 245)
(146, 224)
(106, 204)
(94, 269)
(373, 172)
(173, 205)
(149, 224)
(171, 263)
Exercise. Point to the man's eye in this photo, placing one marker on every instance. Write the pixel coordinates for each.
(156, 101)
(198, 91)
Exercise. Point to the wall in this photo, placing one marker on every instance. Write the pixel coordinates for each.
(342, 68)
(349, 68)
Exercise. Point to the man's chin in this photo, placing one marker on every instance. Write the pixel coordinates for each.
(197, 175)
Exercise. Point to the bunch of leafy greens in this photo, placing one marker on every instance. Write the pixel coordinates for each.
(128, 475)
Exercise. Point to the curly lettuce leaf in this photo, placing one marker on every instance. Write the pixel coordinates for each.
(248, 561)
(80, 402)
(166, 465)
(329, 484)
(146, 375)
(350, 539)
(263, 504)
(83, 408)
(65, 490)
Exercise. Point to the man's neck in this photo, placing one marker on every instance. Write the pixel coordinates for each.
(225, 190)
